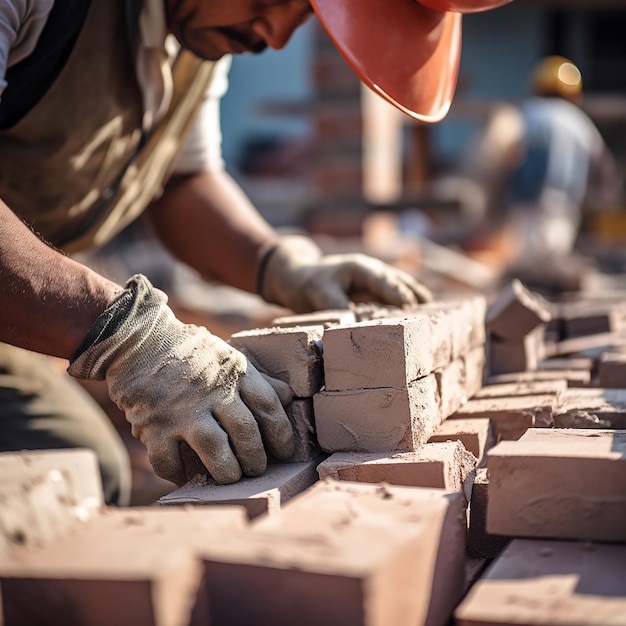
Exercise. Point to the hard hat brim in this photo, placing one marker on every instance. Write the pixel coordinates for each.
(405, 52)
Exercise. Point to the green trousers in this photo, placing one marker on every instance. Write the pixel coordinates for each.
(42, 407)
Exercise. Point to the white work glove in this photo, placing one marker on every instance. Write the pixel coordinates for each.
(179, 384)
(295, 274)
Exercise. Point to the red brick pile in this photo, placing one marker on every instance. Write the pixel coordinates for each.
(458, 464)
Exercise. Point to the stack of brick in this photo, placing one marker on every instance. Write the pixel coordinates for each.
(559, 497)
(339, 553)
(550, 506)
(390, 382)
(389, 370)
(389, 512)
(516, 323)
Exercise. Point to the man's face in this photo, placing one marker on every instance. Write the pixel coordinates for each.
(213, 28)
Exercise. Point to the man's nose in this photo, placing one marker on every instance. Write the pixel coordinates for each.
(278, 23)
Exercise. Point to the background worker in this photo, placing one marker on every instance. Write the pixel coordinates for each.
(540, 164)
(109, 111)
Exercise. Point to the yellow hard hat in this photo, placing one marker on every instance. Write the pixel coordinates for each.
(556, 76)
(407, 51)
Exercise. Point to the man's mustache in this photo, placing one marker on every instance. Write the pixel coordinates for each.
(254, 45)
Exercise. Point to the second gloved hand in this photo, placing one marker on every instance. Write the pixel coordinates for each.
(177, 383)
(296, 275)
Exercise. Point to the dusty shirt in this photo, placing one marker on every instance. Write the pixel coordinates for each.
(21, 24)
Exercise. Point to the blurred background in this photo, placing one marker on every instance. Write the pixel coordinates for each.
(316, 150)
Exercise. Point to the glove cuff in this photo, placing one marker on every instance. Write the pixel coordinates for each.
(113, 325)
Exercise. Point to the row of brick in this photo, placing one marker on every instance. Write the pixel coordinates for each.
(383, 538)
(339, 553)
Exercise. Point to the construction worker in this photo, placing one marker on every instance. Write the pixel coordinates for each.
(109, 111)
(541, 163)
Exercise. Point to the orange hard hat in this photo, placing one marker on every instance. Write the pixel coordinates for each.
(407, 51)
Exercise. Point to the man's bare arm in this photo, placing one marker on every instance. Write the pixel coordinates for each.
(48, 301)
(207, 222)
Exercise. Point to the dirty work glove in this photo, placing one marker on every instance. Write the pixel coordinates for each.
(295, 274)
(179, 384)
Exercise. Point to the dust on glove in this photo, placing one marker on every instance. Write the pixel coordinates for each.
(179, 384)
(296, 275)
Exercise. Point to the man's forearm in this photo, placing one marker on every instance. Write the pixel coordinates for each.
(48, 300)
(207, 222)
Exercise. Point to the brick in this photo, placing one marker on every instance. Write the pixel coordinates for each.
(528, 388)
(439, 465)
(383, 353)
(591, 407)
(344, 553)
(300, 414)
(460, 380)
(474, 567)
(259, 495)
(290, 354)
(125, 567)
(573, 377)
(377, 420)
(588, 345)
(451, 387)
(511, 416)
(516, 356)
(475, 366)
(516, 312)
(480, 543)
(566, 363)
(550, 582)
(324, 318)
(45, 493)
(590, 317)
(612, 370)
(475, 434)
(559, 484)
(467, 321)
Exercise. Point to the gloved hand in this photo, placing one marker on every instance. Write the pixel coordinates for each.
(295, 274)
(177, 383)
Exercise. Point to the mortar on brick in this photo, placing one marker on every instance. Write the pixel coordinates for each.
(438, 465)
(377, 420)
(591, 407)
(560, 484)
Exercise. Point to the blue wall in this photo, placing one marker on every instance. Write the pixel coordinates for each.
(256, 80)
(500, 48)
